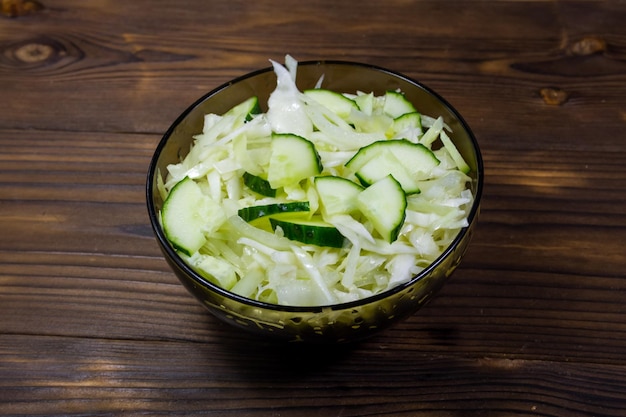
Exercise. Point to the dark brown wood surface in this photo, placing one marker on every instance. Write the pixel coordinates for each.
(93, 322)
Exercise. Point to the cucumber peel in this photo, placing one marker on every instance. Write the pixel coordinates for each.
(252, 213)
(258, 185)
(313, 231)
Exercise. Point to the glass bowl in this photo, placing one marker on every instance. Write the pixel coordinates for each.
(332, 323)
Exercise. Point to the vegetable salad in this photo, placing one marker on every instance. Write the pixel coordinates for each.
(326, 198)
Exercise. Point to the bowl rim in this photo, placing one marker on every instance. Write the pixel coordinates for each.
(167, 247)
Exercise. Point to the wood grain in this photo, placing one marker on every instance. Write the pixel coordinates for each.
(93, 322)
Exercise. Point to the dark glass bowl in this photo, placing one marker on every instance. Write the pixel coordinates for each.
(334, 323)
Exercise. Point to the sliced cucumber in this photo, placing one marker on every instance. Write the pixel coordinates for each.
(258, 185)
(293, 158)
(415, 157)
(216, 270)
(313, 231)
(366, 103)
(396, 104)
(410, 162)
(406, 122)
(252, 213)
(248, 108)
(384, 204)
(386, 163)
(337, 195)
(183, 217)
(335, 102)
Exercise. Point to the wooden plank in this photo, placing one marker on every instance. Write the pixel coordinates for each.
(522, 48)
(114, 376)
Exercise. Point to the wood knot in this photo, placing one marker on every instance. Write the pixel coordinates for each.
(33, 53)
(553, 96)
(16, 8)
(588, 46)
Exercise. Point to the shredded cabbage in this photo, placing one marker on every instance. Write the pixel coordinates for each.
(269, 267)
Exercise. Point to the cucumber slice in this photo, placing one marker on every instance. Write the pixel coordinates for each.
(248, 108)
(384, 204)
(258, 185)
(396, 104)
(386, 163)
(339, 104)
(313, 231)
(293, 158)
(366, 103)
(215, 269)
(183, 217)
(252, 213)
(407, 121)
(337, 195)
(410, 162)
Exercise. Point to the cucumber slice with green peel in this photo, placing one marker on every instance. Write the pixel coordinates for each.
(409, 161)
(293, 158)
(398, 146)
(339, 104)
(337, 195)
(184, 216)
(366, 103)
(258, 185)
(415, 157)
(252, 213)
(248, 108)
(384, 164)
(384, 204)
(396, 104)
(312, 231)
(406, 122)
(216, 270)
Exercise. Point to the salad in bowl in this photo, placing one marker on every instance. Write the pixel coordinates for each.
(316, 197)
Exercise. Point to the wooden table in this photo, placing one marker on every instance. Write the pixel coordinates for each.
(93, 322)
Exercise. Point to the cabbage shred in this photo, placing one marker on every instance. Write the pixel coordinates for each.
(268, 267)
